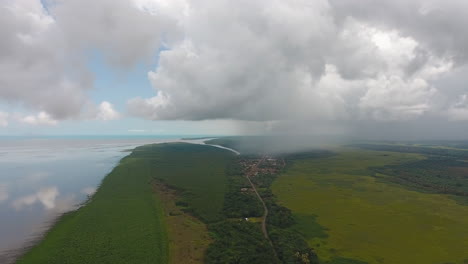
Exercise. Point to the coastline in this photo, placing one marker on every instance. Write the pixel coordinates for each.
(119, 147)
(36, 242)
(13, 255)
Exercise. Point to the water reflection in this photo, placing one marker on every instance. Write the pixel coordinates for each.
(45, 196)
(42, 178)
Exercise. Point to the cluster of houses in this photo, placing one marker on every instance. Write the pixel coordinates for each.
(266, 165)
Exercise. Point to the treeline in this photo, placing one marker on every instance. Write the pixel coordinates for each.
(444, 171)
(429, 151)
(436, 174)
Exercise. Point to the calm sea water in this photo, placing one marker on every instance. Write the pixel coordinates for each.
(40, 178)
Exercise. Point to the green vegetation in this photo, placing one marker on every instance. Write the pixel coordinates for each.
(430, 151)
(349, 216)
(124, 221)
(238, 203)
(188, 236)
(289, 244)
(239, 242)
(198, 172)
(184, 203)
(438, 175)
(291, 247)
(235, 239)
(444, 171)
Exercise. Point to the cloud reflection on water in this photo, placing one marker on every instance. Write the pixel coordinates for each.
(88, 190)
(45, 196)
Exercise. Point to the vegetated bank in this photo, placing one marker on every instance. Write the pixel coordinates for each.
(124, 222)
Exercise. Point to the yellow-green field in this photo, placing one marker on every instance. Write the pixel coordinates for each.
(344, 212)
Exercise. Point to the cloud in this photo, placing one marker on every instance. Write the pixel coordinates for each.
(437, 25)
(34, 68)
(42, 118)
(43, 52)
(301, 60)
(45, 196)
(258, 60)
(4, 119)
(106, 112)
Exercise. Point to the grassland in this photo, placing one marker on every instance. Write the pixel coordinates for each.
(345, 213)
(188, 236)
(125, 222)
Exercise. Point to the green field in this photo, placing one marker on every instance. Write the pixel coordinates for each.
(124, 221)
(344, 212)
(199, 172)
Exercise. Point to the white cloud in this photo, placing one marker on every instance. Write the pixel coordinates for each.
(42, 118)
(256, 60)
(106, 112)
(43, 53)
(45, 196)
(393, 98)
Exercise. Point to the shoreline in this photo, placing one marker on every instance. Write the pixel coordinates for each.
(19, 254)
(13, 253)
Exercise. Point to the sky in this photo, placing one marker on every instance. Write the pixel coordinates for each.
(389, 69)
